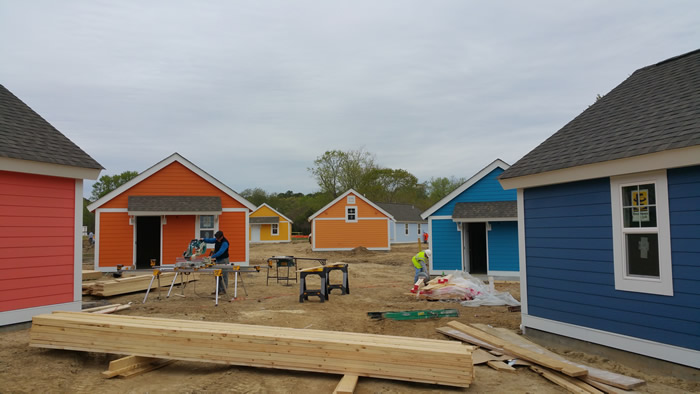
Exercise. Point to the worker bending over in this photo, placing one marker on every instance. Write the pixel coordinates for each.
(220, 255)
(420, 263)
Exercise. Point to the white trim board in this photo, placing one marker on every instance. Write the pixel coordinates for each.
(521, 251)
(78, 242)
(509, 274)
(645, 347)
(175, 157)
(24, 315)
(498, 163)
(654, 161)
(273, 210)
(49, 169)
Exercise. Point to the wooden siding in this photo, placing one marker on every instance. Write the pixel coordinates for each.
(486, 189)
(234, 228)
(116, 239)
(173, 180)
(446, 246)
(37, 240)
(264, 212)
(266, 232)
(570, 274)
(339, 234)
(503, 246)
(401, 237)
(364, 210)
(178, 231)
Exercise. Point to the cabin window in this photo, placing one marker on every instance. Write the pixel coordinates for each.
(275, 229)
(206, 226)
(418, 228)
(351, 214)
(405, 228)
(641, 233)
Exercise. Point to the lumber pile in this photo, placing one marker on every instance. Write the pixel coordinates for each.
(574, 377)
(91, 275)
(389, 357)
(106, 288)
(107, 308)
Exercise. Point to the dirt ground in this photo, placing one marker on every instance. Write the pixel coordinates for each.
(379, 281)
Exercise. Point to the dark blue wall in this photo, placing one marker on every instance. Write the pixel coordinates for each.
(569, 254)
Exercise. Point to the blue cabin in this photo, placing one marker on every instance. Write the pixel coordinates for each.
(474, 228)
(408, 226)
(609, 219)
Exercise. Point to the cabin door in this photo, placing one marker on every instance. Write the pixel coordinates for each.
(147, 241)
(474, 248)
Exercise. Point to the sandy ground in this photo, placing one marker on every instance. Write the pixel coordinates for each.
(379, 281)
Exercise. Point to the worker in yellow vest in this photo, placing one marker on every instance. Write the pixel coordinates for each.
(420, 263)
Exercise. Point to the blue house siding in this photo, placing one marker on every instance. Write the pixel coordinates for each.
(486, 189)
(570, 273)
(503, 246)
(446, 246)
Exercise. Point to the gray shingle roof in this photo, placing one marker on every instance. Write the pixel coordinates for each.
(264, 220)
(656, 109)
(485, 210)
(402, 212)
(174, 204)
(26, 135)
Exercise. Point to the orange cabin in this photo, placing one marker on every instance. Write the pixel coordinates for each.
(350, 221)
(156, 215)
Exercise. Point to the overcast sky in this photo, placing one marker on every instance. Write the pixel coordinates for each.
(254, 91)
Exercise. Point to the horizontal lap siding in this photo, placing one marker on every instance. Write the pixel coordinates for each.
(116, 239)
(570, 273)
(178, 231)
(266, 232)
(233, 224)
(486, 189)
(412, 232)
(446, 245)
(503, 246)
(173, 180)
(339, 234)
(37, 238)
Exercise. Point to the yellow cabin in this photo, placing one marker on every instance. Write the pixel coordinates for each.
(268, 225)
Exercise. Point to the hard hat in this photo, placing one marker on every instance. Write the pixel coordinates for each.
(428, 253)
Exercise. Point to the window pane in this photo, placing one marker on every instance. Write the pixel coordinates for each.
(649, 192)
(627, 192)
(206, 221)
(206, 234)
(630, 217)
(643, 254)
(647, 217)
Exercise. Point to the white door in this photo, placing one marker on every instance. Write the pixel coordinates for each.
(255, 233)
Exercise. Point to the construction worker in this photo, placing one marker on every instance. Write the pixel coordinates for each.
(420, 263)
(220, 255)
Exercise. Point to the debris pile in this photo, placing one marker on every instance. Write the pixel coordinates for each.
(460, 286)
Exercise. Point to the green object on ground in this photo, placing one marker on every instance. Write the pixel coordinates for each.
(414, 315)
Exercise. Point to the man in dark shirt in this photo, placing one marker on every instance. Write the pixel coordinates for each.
(220, 255)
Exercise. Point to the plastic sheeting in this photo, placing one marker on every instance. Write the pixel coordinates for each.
(472, 291)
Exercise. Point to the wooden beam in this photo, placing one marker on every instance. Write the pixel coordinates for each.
(571, 384)
(346, 385)
(133, 365)
(500, 366)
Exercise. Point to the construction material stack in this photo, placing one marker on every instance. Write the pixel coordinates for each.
(389, 357)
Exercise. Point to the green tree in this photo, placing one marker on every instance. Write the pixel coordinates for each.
(256, 196)
(327, 169)
(388, 185)
(440, 187)
(88, 217)
(108, 183)
(337, 171)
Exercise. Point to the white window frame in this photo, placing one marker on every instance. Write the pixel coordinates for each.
(347, 213)
(419, 233)
(274, 229)
(351, 199)
(663, 285)
(405, 228)
(198, 229)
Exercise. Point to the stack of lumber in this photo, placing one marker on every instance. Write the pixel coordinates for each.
(107, 308)
(91, 275)
(572, 376)
(106, 288)
(389, 357)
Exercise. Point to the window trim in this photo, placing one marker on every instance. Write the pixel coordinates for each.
(405, 228)
(663, 285)
(274, 229)
(198, 229)
(347, 209)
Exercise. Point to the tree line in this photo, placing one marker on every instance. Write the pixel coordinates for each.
(335, 172)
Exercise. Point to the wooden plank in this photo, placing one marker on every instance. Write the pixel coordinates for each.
(449, 363)
(116, 308)
(605, 377)
(97, 308)
(571, 384)
(480, 356)
(346, 385)
(133, 365)
(500, 366)
(549, 362)
(454, 333)
(91, 275)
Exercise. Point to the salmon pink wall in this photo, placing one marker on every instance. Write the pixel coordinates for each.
(37, 240)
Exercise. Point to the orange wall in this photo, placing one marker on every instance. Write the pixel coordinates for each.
(116, 239)
(233, 226)
(177, 234)
(37, 240)
(339, 234)
(173, 180)
(364, 210)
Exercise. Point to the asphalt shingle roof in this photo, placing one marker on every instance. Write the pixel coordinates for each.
(264, 220)
(402, 212)
(26, 135)
(174, 204)
(656, 109)
(485, 210)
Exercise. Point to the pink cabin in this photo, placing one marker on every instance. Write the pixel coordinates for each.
(41, 214)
